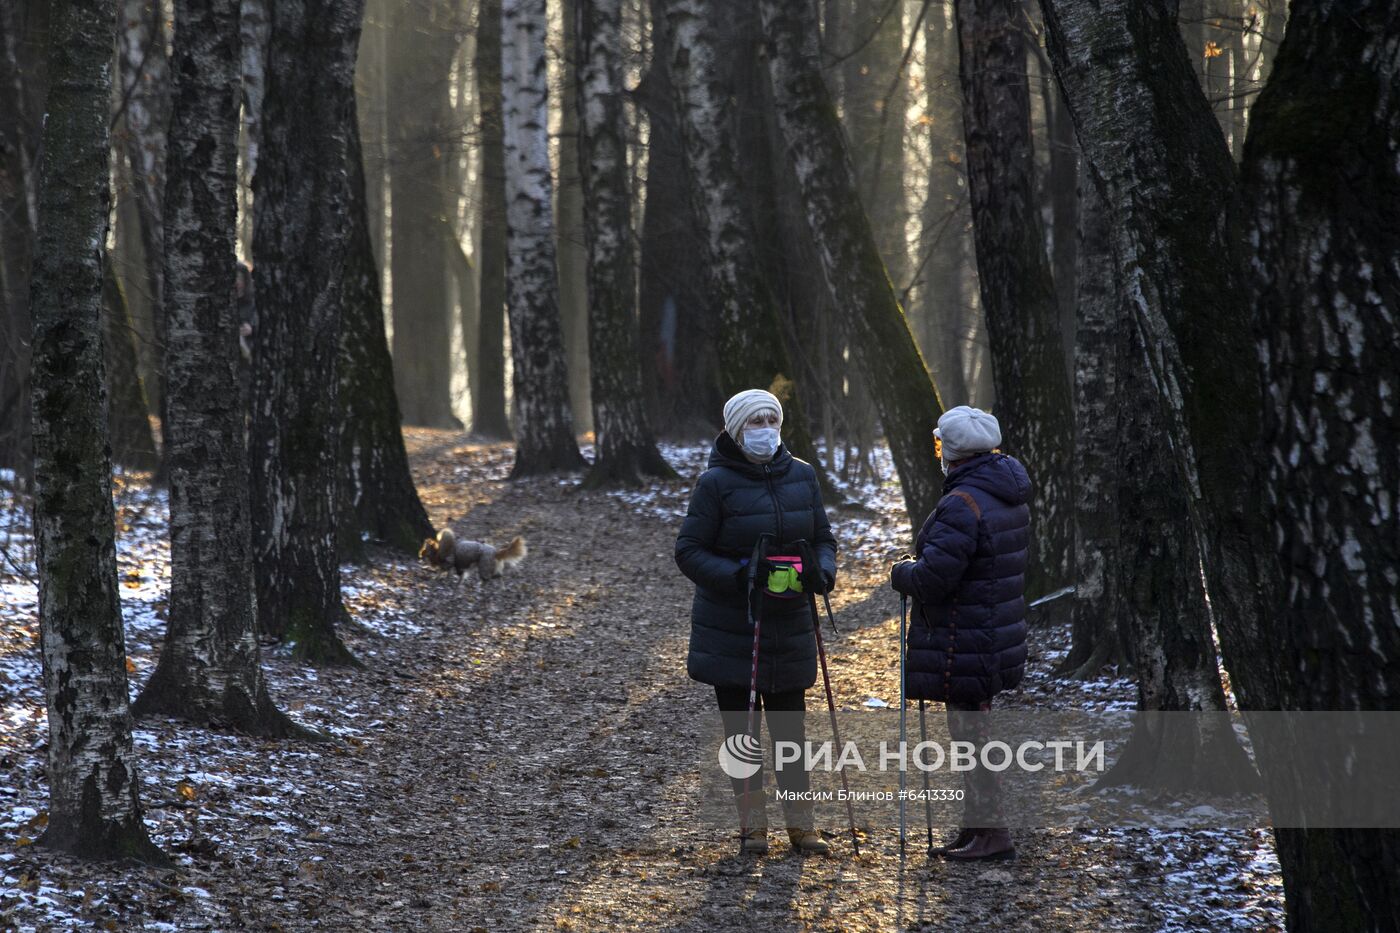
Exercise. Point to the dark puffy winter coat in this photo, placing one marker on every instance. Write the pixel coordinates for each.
(967, 633)
(734, 502)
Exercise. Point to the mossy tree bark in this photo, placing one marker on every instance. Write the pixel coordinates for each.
(94, 808)
(1018, 292)
(209, 671)
(377, 496)
(489, 395)
(544, 430)
(300, 239)
(626, 446)
(872, 319)
(1275, 301)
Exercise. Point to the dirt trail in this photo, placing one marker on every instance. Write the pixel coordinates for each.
(520, 755)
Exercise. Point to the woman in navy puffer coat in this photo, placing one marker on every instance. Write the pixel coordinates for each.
(967, 634)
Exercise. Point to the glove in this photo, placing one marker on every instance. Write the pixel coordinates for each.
(760, 577)
(894, 569)
(815, 579)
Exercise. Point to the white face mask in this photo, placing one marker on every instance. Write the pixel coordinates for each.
(761, 443)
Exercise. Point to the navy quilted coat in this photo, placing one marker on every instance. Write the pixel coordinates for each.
(734, 502)
(967, 633)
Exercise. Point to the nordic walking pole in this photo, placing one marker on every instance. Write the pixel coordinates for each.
(903, 732)
(756, 620)
(928, 805)
(809, 554)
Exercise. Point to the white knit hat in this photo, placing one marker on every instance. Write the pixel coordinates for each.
(743, 406)
(967, 431)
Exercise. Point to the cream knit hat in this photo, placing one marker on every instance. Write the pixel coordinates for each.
(743, 406)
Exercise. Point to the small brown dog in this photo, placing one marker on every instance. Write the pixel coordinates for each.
(445, 552)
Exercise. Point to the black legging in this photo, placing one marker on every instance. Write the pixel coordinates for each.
(734, 709)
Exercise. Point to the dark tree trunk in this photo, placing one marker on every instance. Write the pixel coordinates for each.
(424, 43)
(1321, 189)
(626, 446)
(128, 417)
(144, 108)
(209, 671)
(679, 365)
(875, 96)
(1308, 477)
(544, 429)
(1162, 610)
(874, 323)
(300, 239)
(23, 65)
(94, 808)
(1018, 292)
(943, 323)
(1095, 637)
(377, 497)
(702, 56)
(489, 401)
(570, 237)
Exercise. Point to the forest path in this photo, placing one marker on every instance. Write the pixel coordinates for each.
(528, 754)
(539, 762)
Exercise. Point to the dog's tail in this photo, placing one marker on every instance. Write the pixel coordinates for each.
(512, 553)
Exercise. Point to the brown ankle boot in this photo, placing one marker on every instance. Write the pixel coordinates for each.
(986, 845)
(807, 840)
(754, 840)
(963, 837)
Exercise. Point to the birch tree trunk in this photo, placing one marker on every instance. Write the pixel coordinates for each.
(1018, 292)
(253, 39)
(873, 322)
(945, 219)
(93, 780)
(144, 109)
(1321, 184)
(1096, 640)
(544, 432)
(569, 236)
(423, 44)
(626, 446)
(377, 496)
(679, 365)
(875, 97)
(751, 350)
(1317, 287)
(128, 414)
(300, 238)
(489, 401)
(22, 78)
(209, 671)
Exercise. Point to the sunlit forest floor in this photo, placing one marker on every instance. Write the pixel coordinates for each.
(520, 755)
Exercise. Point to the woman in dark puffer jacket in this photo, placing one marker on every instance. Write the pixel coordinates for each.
(967, 637)
(754, 486)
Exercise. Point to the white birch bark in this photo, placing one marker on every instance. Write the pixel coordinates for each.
(544, 431)
(626, 447)
(93, 780)
(209, 670)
